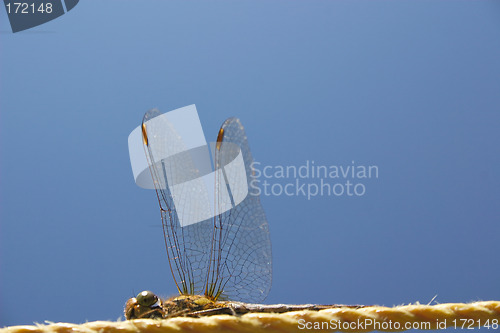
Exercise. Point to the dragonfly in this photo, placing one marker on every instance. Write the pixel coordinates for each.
(220, 260)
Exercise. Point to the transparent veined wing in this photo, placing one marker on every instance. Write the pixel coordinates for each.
(217, 240)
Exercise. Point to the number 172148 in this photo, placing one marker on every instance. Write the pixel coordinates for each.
(28, 8)
(471, 323)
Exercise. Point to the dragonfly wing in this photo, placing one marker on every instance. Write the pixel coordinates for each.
(241, 265)
(171, 165)
(217, 239)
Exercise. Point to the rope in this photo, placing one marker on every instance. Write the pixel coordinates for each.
(344, 319)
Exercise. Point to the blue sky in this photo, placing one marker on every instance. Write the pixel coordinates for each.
(411, 87)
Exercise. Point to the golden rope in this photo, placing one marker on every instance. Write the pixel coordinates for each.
(366, 319)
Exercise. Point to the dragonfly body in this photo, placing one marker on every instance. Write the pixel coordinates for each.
(184, 305)
(140, 307)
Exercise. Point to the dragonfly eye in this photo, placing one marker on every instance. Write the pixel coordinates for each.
(146, 298)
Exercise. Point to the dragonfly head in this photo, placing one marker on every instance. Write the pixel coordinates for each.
(145, 305)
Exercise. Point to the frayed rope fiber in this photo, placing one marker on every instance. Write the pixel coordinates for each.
(340, 319)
